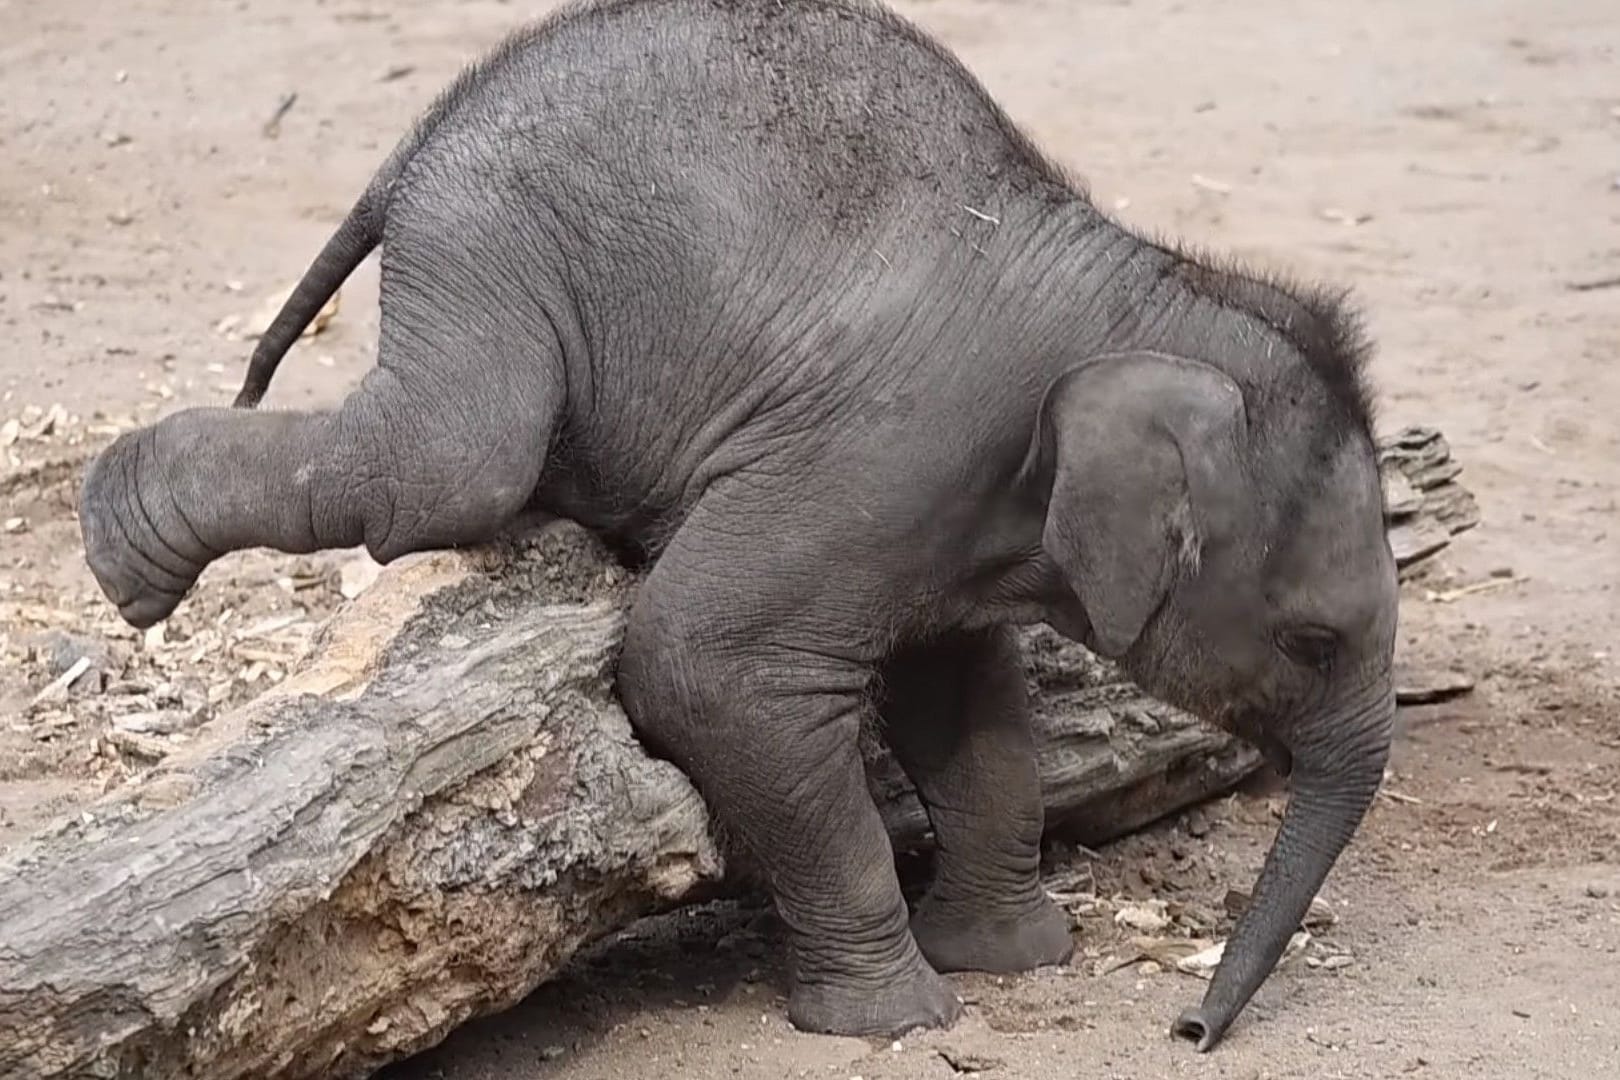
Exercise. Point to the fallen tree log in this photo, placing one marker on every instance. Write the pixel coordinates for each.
(427, 819)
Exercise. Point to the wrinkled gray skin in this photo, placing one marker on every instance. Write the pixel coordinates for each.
(774, 298)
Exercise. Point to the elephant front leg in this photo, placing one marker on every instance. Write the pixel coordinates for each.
(956, 714)
(712, 677)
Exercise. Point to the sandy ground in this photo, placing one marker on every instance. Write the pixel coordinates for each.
(1457, 162)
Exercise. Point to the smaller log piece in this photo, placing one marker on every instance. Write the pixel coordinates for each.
(1424, 504)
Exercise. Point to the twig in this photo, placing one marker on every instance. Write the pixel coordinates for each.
(59, 686)
(1395, 796)
(982, 216)
(1592, 286)
(272, 126)
(1490, 585)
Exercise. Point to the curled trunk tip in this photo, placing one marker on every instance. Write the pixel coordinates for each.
(1195, 1027)
(1322, 815)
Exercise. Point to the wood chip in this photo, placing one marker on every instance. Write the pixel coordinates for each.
(267, 627)
(261, 655)
(1426, 686)
(154, 722)
(135, 744)
(57, 689)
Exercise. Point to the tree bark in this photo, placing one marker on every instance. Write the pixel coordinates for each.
(428, 819)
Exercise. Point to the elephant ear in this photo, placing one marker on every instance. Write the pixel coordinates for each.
(1140, 450)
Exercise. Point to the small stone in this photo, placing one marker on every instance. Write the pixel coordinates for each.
(552, 1053)
(16, 525)
(1197, 823)
(1148, 917)
(1597, 892)
(1150, 967)
(357, 575)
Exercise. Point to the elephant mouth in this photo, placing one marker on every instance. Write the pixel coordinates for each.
(1252, 728)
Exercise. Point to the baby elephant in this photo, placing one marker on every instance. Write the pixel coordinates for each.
(775, 299)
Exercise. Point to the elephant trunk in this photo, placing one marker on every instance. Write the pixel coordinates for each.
(1329, 797)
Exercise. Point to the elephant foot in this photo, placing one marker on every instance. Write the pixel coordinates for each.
(921, 999)
(143, 560)
(960, 937)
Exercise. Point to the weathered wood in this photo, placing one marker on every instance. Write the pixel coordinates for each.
(1424, 504)
(431, 816)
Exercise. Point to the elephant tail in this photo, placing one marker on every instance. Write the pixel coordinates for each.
(360, 232)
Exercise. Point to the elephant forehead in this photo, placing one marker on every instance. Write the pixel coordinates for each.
(1330, 551)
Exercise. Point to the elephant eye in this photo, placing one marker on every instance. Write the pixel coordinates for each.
(1312, 646)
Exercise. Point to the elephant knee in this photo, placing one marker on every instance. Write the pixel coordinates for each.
(661, 703)
(681, 680)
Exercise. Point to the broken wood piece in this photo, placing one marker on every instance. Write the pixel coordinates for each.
(1427, 686)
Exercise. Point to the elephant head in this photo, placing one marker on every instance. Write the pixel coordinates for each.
(1223, 538)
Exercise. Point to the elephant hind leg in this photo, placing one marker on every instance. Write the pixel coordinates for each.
(956, 714)
(441, 445)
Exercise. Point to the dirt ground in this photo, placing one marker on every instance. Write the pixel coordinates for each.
(1457, 162)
